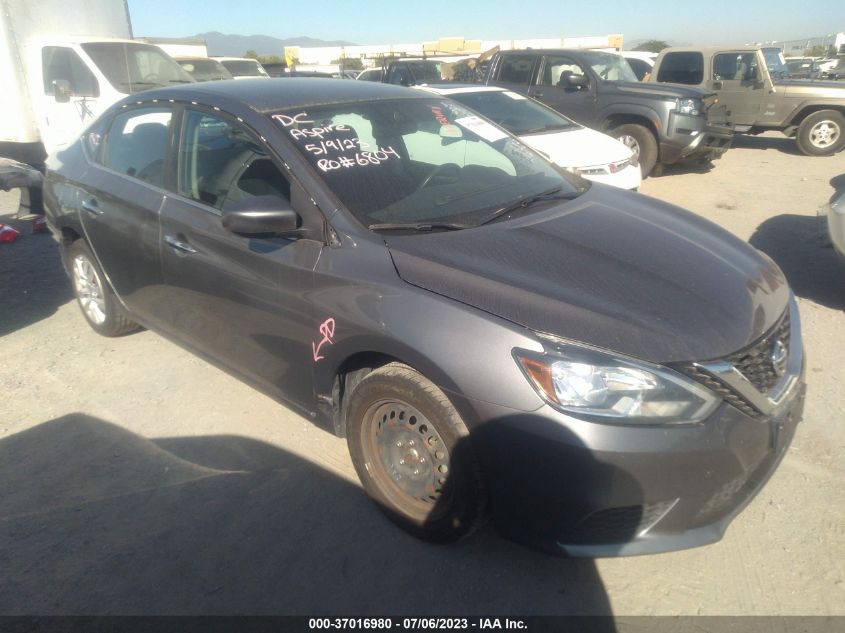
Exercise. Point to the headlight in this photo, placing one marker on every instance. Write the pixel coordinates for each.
(595, 385)
(689, 106)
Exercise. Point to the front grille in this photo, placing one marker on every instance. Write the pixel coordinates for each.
(615, 525)
(755, 362)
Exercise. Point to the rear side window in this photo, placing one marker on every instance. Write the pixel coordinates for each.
(136, 144)
(62, 63)
(682, 68)
(516, 68)
(221, 162)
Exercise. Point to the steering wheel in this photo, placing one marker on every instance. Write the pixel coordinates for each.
(441, 171)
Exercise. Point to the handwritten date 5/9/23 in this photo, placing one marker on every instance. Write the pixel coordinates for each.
(416, 624)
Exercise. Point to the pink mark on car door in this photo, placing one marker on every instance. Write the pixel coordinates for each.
(327, 330)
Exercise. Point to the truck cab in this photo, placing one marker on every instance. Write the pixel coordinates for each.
(754, 86)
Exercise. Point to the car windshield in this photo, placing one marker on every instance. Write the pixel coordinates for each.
(776, 63)
(419, 161)
(514, 112)
(205, 69)
(244, 68)
(131, 66)
(609, 66)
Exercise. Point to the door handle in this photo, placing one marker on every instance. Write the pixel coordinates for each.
(92, 207)
(179, 245)
(717, 85)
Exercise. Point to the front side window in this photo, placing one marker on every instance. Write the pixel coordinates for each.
(426, 160)
(131, 67)
(221, 162)
(516, 68)
(136, 144)
(62, 63)
(682, 68)
(557, 69)
(735, 67)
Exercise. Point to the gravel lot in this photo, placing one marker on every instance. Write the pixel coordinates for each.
(137, 479)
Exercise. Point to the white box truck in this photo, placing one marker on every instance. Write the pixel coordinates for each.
(62, 62)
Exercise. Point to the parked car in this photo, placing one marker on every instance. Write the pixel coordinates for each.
(661, 126)
(413, 71)
(204, 68)
(835, 213)
(605, 372)
(371, 74)
(759, 99)
(641, 62)
(803, 68)
(583, 151)
(243, 67)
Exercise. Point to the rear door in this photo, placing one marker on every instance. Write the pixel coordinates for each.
(120, 211)
(737, 79)
(243, 301)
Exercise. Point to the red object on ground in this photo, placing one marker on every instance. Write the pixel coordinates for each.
(39, 224)
(8, 234)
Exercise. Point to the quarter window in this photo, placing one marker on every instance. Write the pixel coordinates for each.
(137, 144)
(221, 162)
(62, 63)
(682, 68)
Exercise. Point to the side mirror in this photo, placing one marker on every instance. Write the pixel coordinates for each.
(577, 81)
(261, 215)
(61, 90)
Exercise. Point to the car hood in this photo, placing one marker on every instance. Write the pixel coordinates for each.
(648, 88)
(579, 147)
(611, 269)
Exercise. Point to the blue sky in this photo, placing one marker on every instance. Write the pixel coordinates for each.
(377, 21)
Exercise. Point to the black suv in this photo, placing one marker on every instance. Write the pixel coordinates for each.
(661, 124)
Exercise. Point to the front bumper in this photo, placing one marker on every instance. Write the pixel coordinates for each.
(834, 214)
(692, 137)
(628, 178)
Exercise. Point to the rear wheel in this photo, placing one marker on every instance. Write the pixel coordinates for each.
(411, 451)
(93, 294)
(640, 140)
(821, 133)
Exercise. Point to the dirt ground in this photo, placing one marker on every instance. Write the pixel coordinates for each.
(137, 479)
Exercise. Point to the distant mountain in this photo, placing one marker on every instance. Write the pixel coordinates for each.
(236, 45)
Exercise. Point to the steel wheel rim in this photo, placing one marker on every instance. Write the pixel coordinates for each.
(631, 143)
(824, 134)
(411, 463)
(89, 290)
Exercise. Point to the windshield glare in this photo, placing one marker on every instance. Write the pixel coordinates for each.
(418, 161)
(776, 63)
(205, 69)
(609, 66)
(131, 67)
(244, 68)
(514, 112)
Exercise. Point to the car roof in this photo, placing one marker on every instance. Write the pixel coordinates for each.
(453, 89)
(709, 50)
(267, 96)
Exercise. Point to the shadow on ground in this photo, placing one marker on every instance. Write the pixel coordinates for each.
(782, 144)
(97, 520)
(33, 283)
(797, 245)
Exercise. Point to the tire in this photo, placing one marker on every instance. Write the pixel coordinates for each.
(398, 425)
(822, 133)
(93, 294)
(642, 142)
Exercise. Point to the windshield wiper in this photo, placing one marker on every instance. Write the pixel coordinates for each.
(546, 128)
(524, 203)
(179, 81)
(421, 227)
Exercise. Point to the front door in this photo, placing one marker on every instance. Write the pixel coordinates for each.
(738, 81)
(243, 301)
(553, 89)
(120, 207)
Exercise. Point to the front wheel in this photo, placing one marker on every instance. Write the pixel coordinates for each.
(640, 140)
(822, 133)
(411, 451)
(93, 294)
